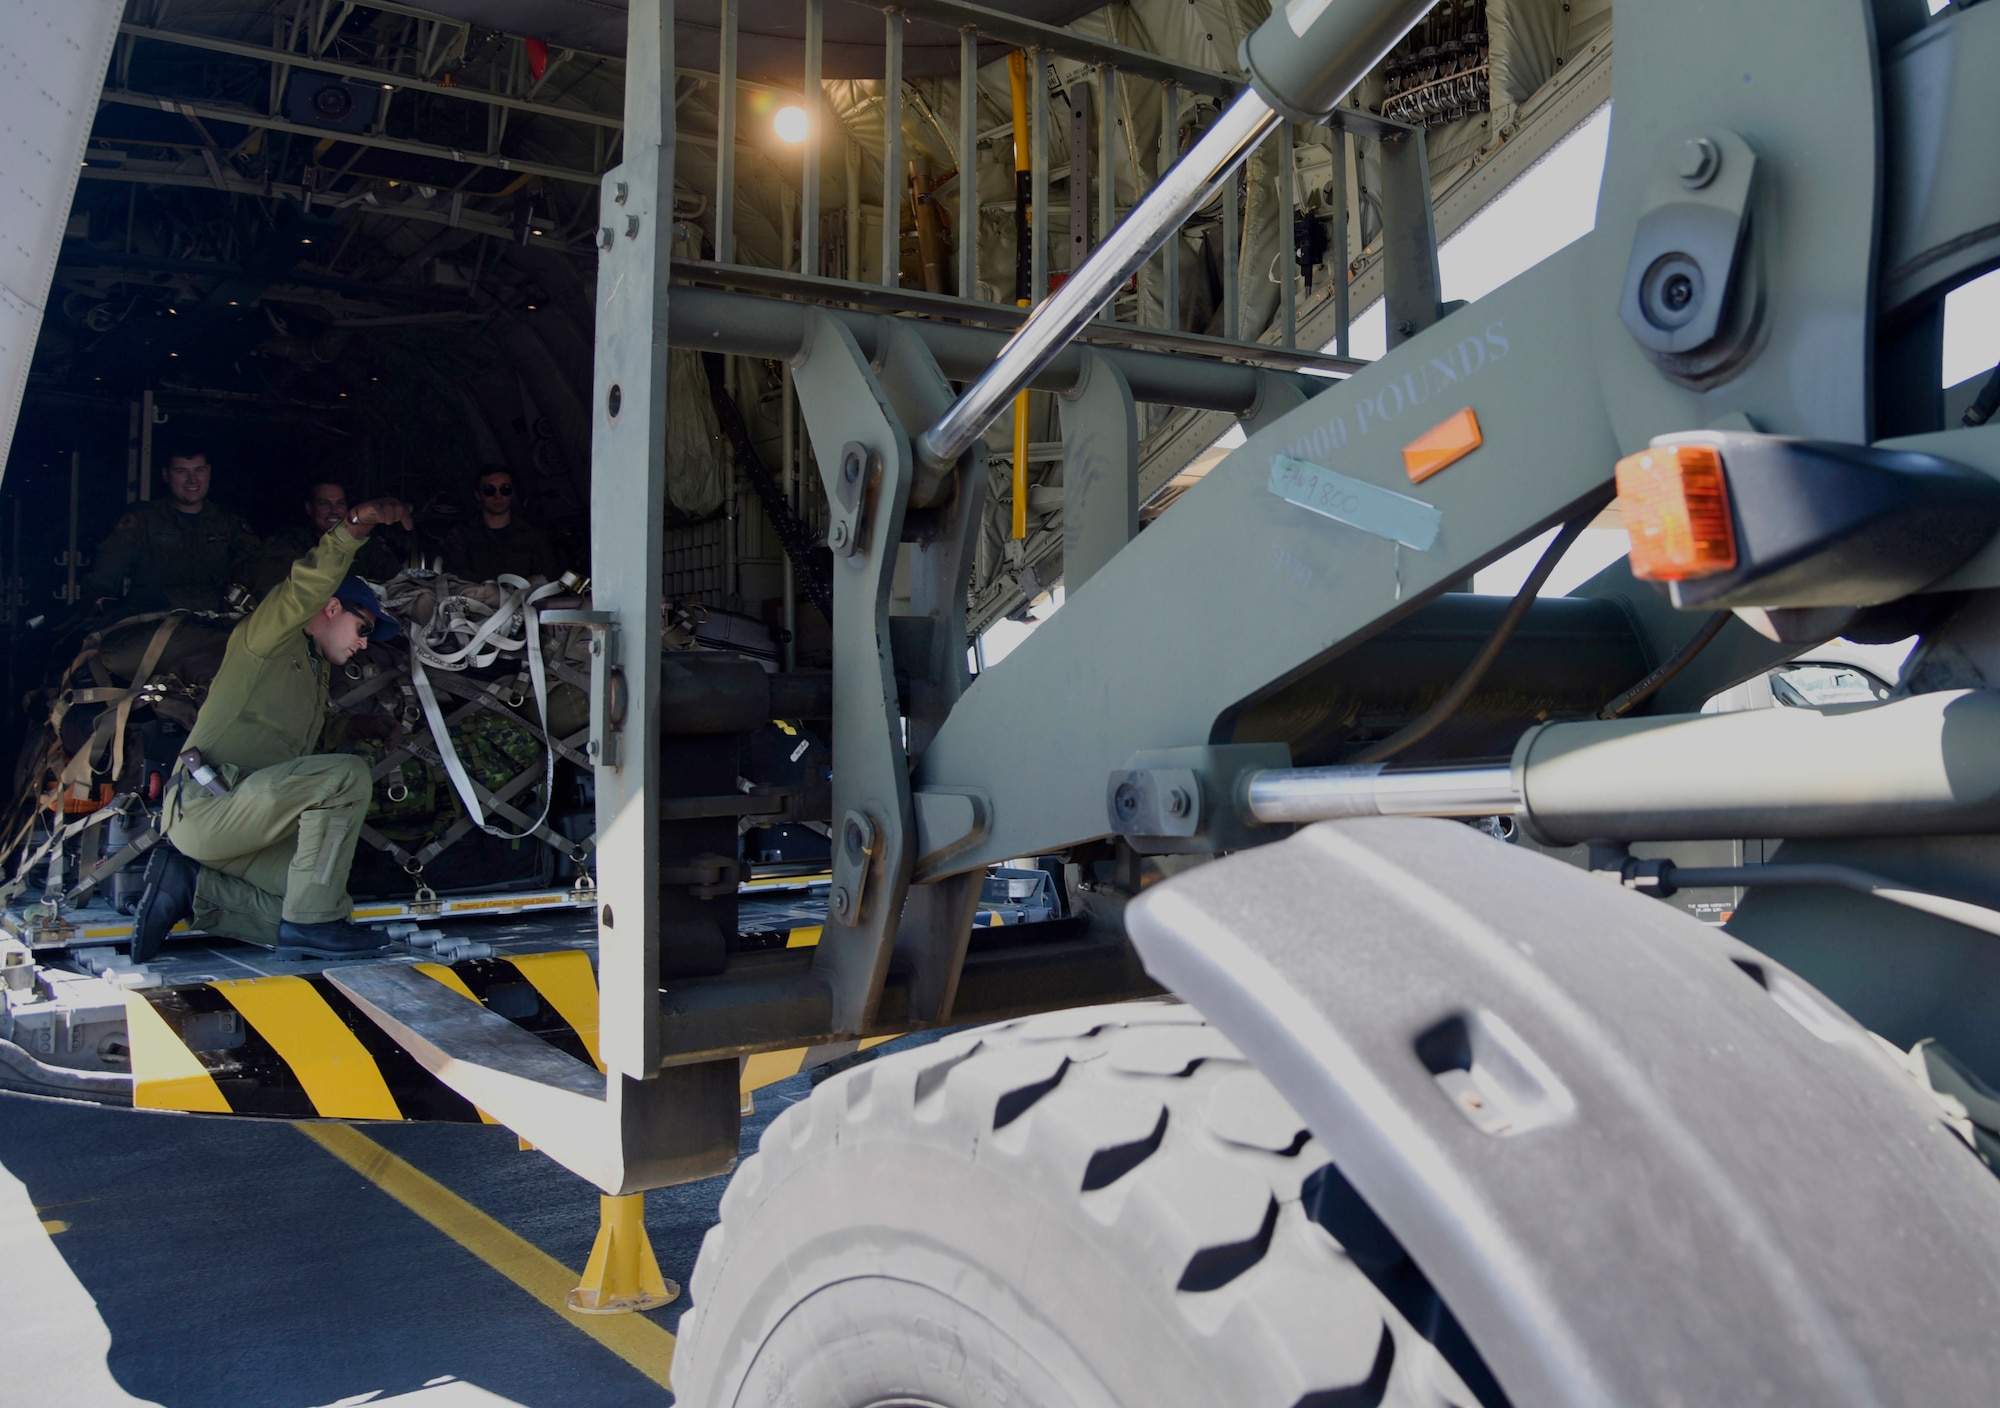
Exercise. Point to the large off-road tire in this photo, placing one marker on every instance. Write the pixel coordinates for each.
(1094, 1207)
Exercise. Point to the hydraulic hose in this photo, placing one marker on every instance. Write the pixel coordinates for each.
(1433, 718)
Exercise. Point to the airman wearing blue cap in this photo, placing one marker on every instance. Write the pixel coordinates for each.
(263, 853)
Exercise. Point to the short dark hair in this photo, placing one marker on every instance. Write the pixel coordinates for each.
(181, 449)
(487, 471)
(312, 481)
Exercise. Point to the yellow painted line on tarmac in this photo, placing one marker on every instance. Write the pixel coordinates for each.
(340, 1077)
(805, 937)
(640, 1342)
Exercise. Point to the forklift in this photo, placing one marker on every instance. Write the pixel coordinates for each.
(1374, 1062)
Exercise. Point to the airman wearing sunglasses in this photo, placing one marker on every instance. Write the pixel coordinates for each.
(265, 856)
(498, 540)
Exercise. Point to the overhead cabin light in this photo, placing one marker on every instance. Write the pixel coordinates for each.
(791, 124)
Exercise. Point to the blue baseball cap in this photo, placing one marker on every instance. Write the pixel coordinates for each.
(356, 592)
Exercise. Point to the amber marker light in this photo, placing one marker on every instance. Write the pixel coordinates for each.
(1675, 503)
(1442, 446)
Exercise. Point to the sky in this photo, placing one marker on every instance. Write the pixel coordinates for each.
(1552, 205)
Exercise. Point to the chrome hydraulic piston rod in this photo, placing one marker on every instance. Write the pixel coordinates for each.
(1174, 197)
(1302, 61)
(1376, 789)
(1928, 765)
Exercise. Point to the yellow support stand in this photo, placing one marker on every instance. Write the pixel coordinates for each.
(622, 1275)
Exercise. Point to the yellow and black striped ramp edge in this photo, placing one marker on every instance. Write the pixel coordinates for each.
(296, 1048)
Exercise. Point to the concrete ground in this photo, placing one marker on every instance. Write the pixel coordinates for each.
(202, 1262)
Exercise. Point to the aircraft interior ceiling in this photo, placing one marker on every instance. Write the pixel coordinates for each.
(336, 238)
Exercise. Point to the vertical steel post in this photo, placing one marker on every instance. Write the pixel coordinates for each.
(1107, 169)
(809, 173)
(1232, 259)
(1288, 263)
(1170, 252)
(892, 149)
(968, 163)
(855, 262)
(628, 452)
(1339, 259)
(1409, 239)
(1079, 95)
(1038, 173)
(725, 138)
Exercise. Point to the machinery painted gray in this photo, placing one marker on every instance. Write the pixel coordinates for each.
(1004, 317)
(1310, 54)
(1641, 1162)
(619, 1133)
(1937, 100)
(1100, 470)
(1266, 587)
(1561, 390)
(628, 441)
(1922, 766)
(715, 320)
(1928, 765)
(851, 422)
(1410, 280)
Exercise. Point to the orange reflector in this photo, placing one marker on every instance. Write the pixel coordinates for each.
(1444, 444)
(1675, 504)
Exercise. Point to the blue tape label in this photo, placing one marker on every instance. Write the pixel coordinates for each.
(1358, 504)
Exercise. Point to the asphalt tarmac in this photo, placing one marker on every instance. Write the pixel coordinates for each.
(201, 1262)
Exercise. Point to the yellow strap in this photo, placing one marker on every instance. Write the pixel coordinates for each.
(110, 725)
(450, 979)
(148, 663)
(165, 1074)
(340, 1077)
(567, 983)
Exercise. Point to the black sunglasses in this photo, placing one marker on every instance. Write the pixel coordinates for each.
(367, 626)
(496, 491)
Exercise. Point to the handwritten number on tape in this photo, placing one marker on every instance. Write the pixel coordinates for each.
(1358, 504)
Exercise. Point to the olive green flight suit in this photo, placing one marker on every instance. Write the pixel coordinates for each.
(280, 844)
(177, 561)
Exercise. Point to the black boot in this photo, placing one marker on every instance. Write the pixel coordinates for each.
(334, 939)
(164, 901)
